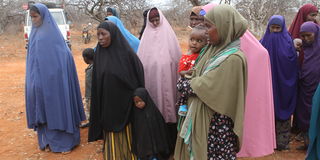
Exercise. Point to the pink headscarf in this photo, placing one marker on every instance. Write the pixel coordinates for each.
(259, 123)
(159, 52)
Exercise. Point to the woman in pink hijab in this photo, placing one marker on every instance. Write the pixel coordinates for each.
(259, 123)
(159, 52)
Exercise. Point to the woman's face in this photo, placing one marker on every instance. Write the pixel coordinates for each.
(275, 28)
(195, 20)
(104, 37)
(307, 37)
(312, 16)
(35, 18)
(213, 37)
(155, 21)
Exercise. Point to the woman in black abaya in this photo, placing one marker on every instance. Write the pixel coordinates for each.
(117, 72)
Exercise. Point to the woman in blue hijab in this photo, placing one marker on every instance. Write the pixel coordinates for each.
(112, 12)
(284, 70)
(132, 40)
(53, 100)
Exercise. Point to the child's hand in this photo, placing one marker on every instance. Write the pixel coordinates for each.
(190, 72)
(186, 73)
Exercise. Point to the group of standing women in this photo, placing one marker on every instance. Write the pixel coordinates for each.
(295, 73)
(242, 97)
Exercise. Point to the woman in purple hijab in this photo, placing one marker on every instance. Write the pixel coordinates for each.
(309, 77)
(284, 69)
(53, 99)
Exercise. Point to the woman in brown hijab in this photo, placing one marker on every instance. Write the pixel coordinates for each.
(195, 17)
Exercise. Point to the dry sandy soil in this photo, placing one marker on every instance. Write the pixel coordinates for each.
(19, 143)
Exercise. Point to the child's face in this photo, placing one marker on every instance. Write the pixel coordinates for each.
(197, 40)
(275, 28)
(138, 102)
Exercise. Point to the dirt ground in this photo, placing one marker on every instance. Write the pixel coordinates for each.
(19, 143)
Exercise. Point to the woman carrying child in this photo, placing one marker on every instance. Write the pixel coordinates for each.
(214, 122)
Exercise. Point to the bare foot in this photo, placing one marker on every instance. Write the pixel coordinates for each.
(67, 152)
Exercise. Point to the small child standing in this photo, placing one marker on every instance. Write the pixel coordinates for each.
(88, 55)
(150, 140)
(197, 41)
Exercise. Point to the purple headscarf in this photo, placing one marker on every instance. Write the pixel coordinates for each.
(284, 68)
(309, 76)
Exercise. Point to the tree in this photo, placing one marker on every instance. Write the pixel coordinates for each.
(11, 12)
(204, 2)
(129, 10)
(258, 12)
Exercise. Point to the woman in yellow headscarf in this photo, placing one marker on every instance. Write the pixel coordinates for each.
(214, 123)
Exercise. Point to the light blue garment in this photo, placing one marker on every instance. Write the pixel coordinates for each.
(52, 92)
(132, 40)
(314, 130)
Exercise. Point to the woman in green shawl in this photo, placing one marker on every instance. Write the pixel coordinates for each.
(213, 126)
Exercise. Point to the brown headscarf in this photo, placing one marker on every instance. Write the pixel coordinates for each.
(196, 10)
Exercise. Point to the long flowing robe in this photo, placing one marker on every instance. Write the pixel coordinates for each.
(149, 130)
(259, 126)
(117, 72)
(309, 77)
(159, 53)
(284, 66)
(219, 86)
(53, 100)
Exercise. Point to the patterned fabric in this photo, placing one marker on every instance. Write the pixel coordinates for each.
(222, 141)
(187, 61)
(117, 145)
(283, 134)
(183, 86)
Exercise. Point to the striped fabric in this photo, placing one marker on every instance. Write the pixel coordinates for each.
(117, 145)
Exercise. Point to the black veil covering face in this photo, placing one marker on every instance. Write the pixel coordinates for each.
(149, 130)
(117, 72)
